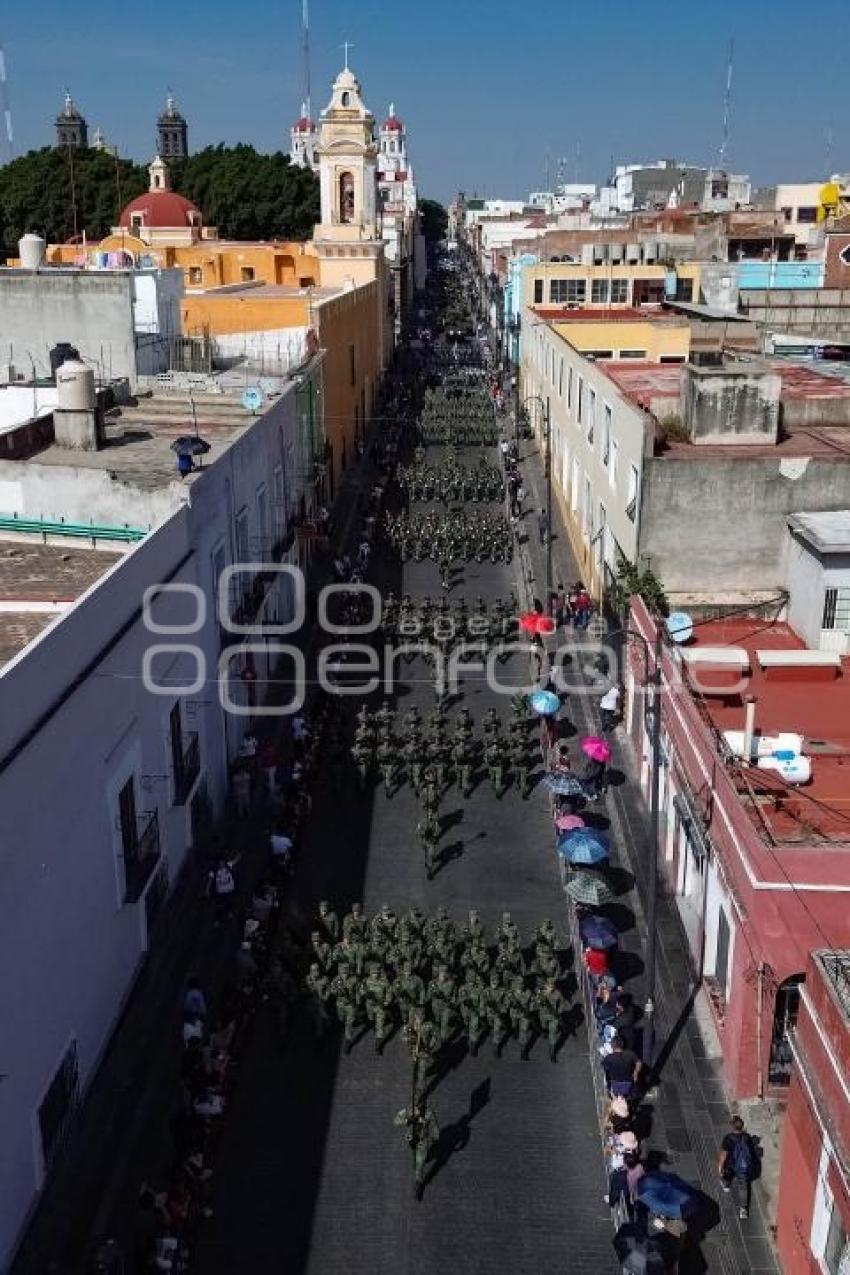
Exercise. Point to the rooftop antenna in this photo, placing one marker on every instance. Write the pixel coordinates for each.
(727, 107)
(546, 173)
(305, 24)
(5, 109)
(829, 138)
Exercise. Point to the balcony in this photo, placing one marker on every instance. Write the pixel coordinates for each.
(189, 769)
(141, 861)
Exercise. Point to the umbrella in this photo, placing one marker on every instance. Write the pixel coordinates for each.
(190, 445)
(545, 626)
(596, 748)
(529, 620)
(590, 890)
(563, 783)
(564, 823)
(667, 1194)
(584, 846)
(544, 703)
(599, 932)
(680, 626)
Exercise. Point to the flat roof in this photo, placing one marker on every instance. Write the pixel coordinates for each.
(696, 311)
(267, 291)
(819, 711)
(604, 314)
(827, 532)
(138, 441)
(37, 584)
(22, 403)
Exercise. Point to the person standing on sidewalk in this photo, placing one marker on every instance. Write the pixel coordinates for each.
(609, 707)
(542, 525)
(737, 1165)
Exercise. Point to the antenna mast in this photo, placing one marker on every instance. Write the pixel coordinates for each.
(727, 107)
(305, 23)
(5, 109)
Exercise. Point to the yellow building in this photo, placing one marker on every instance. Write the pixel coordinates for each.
(577, 283)
(653, 338)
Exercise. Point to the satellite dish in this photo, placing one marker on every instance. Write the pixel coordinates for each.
(252, 399)
(680, 627)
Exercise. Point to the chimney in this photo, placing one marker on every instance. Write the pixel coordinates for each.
(749, 728)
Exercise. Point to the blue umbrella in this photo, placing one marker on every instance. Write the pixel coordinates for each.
(544, 703)
(584, 845)
(598, 931)
(667, 1194)
(563, 783)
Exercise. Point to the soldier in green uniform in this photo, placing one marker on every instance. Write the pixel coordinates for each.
(472, 1001)
(545, 937)
(348, 995)
(475, 958)
(463, 759)
(350, 955)
(354, 922)
(329, 922)
(495, 759)
(545, 966)
(550, 1012)
(416, 923)
(442, 998)
(413, 764)
(442, 937)
(520, 767)
(474, 932)
(423, 1131)
(410, 991)
(523, 1014)
(323, 953)
(497, 1004)
(319, 987)
(429, 833)
(361, 754)
(423, 1040)
(388, 763)
(377, 999)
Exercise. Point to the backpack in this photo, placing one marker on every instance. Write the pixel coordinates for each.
(742, 1157)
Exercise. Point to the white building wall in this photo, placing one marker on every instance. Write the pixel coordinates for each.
(77, 722)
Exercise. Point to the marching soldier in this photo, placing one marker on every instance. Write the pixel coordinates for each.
(523, 1015)
(351, 955)
(354, 922)
(410, 991)
(462, 756)
(497, 1004)
(348, 997)
(323, 953)
(429, 832)
(550, 1011)
(329, 922)
(442, 997)
(520, 767)
(473, 931)
(423, 1132)
(423, 1040)
(319, 987)
(545, 937)
(495, 759)
(473, 1008)
(387, 759)
(377, 998)
(412, 753)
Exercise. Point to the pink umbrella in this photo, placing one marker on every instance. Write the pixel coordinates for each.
(596, 748)
(565, 823)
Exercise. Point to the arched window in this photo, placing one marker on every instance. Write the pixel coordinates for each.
(346, 98)
(785, 1010)
(346, 197)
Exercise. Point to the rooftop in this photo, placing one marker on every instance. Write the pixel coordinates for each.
(38, 582)
(817, 710)
(611, 314)
(827, 532)
(269, 291)
(20, 403)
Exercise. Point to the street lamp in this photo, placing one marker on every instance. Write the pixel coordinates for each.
(547, 421)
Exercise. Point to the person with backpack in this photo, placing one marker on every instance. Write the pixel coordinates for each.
(737, 1164)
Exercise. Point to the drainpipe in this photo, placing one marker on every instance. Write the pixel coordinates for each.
(749, 728)
(759, 1012)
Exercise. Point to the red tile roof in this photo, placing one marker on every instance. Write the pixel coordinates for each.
(164, 209)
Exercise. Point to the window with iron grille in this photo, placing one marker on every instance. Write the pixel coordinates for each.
(591, 417)
(57, 1105)
(619, 291)
(606, 435)
(836, 609)
(632, 498)
(599, 291)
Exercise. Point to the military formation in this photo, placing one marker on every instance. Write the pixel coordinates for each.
(436, 982)
(450, 481)
(459, 413)
(435, 753)
(443, 622)
(476, 536)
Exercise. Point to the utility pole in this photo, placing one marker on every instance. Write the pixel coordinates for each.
(655, 681)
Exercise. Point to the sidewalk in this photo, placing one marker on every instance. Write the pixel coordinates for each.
(690, 1111)
(121, 1127)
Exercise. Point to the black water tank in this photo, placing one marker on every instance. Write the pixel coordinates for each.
(60, 354)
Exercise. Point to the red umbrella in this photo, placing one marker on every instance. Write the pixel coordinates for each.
(596, 748)
(533, 622)
(545, 625)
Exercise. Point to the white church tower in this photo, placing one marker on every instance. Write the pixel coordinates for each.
(348, 164)
(303, 141)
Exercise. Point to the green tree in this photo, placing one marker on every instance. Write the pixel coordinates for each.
(435, 219)
(55, 192)
(245, 194)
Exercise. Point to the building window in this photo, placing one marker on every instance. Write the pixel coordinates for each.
(56, 1108)
(836, 1255)
(576, 485)
(352, 366)
(632, 497)
(785, 1013)
(247, 273)
(648, 291)
(615, 456)
(633, 354)
(538, 291)
(588, 510)
(721, 955)
(591, 417)
(569, 387)
(580, 406)
(567, 291)
(684, 289)
(807, 216)
(606, 435)
(599, 354)
(619, 291)
(836, 609)
(196, 274)
(599, 291)
(175, 735)
(346, 197)
(137, 220)
(561, 378)
(346, 98)
(788, 213)
(672, 358)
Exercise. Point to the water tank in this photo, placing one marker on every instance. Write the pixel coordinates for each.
(75, 387)
(61, 353)
(31, 250)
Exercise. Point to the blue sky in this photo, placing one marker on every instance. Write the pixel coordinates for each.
(484, 86)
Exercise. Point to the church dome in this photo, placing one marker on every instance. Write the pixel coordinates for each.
(392, 124)
(162, 210)
(304, 125)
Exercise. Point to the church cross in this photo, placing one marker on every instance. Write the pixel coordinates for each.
(348, 45)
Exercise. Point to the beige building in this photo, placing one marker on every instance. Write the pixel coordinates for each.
(612, 284)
